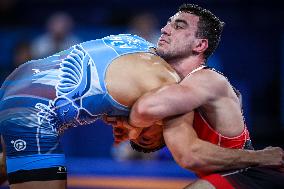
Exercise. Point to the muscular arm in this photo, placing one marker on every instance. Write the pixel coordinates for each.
(175, 99)
(200, 156)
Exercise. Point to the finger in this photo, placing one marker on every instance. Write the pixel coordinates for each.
(120, 136)
(109, 123)
(116, 142)
(111, 119)
(125, 124)
(119, 140)
(119, 130)
(119, 123)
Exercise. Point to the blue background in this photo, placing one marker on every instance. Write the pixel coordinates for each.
(251, 55)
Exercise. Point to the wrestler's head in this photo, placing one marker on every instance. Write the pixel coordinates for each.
(150, 140)
(191, 31)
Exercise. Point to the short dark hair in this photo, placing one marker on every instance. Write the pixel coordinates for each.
(139, 148)
(209, 26)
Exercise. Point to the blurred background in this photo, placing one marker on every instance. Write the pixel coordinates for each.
(251, 55)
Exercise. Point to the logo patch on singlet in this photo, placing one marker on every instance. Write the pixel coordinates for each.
(127, 41)
(19, 144)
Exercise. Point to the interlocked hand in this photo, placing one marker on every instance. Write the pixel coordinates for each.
(122, 130)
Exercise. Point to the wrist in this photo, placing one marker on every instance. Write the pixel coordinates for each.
(255, 157)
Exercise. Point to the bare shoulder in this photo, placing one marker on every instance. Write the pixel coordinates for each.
(209, 79)
(131, 75)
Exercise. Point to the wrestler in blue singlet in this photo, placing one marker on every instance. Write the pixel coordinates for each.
(43, 97)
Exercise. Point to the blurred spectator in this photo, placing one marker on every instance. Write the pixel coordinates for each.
(22, 53)
(58, 36)
(8, 14)
(145, 25)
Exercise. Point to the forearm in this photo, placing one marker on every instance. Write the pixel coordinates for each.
(208, 158)
(158, 104)
(146, 111)
(200, 156)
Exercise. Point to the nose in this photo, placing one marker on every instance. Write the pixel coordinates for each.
(166, 30)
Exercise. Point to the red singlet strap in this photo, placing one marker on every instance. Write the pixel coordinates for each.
(218, 181)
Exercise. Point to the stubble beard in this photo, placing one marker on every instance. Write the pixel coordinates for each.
(175, 54)
(166, 54)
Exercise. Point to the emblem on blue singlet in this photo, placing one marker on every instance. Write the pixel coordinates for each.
(126, 41)
(75, 81)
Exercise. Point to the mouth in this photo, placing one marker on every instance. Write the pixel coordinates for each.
(162, 40)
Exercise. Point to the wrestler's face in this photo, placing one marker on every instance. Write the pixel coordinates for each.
(178, 36)
(151, 137)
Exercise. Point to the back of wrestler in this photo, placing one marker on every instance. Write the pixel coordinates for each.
(42, 98)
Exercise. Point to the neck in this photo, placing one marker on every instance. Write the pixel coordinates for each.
(184, 66)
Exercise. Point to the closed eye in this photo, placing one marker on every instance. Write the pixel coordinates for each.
(145, 141)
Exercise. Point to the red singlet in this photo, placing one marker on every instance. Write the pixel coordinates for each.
(207, 133)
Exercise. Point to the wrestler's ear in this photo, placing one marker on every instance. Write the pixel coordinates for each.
(200, 45)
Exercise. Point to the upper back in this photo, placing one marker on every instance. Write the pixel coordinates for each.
(70, 68)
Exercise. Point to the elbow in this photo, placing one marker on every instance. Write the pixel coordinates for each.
(145, 109)
(144, 113)
(191, 160)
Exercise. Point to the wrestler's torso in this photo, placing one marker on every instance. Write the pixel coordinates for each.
(78, 85)
(220, 121)
(205, 132)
